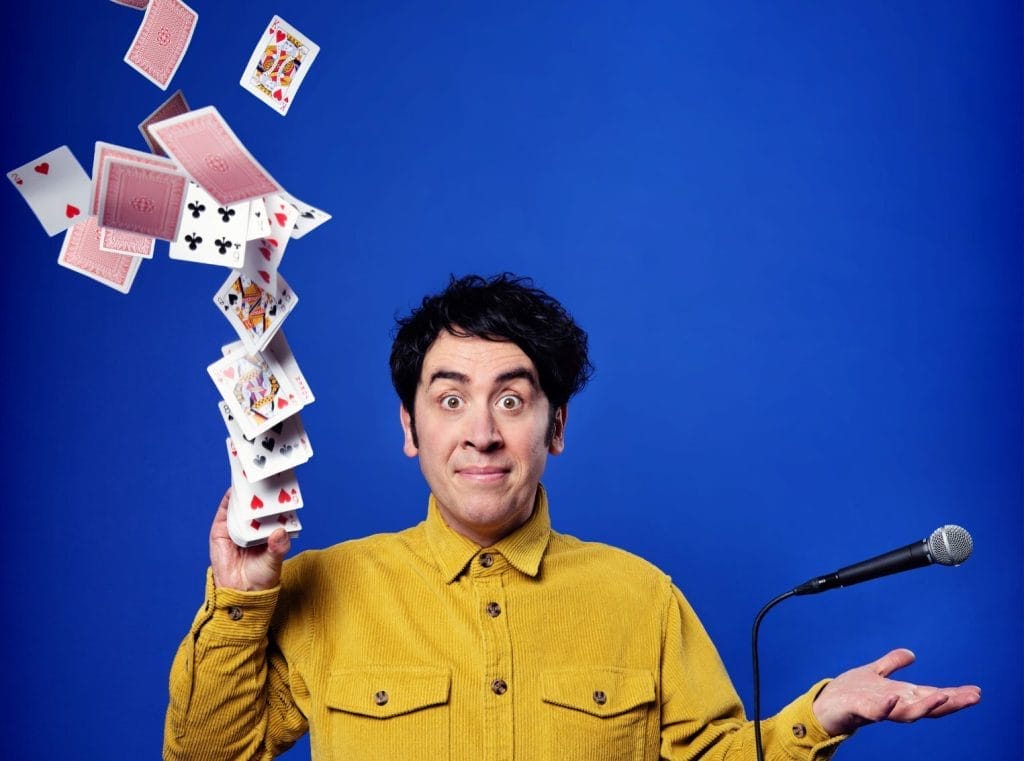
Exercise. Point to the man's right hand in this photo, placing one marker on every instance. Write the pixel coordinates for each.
(246, 569)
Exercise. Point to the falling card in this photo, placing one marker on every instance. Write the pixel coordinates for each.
(278, 64)
(211, 233)
(250, 532)
(161, 41)
(56, 188)
(268, 496)
(256, 313)
(257, 390)
(141, 199)
(173, 106)
(281, 448)
(81, 253)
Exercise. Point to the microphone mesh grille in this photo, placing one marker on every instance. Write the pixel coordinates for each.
(950, 545)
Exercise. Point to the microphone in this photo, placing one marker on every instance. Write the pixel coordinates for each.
(948, 545)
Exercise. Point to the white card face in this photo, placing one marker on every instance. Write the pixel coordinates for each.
(56, 188)
(250, 532)
(256, 313)
(263, 256)
(257, 390)
(283, 447)
(268, 496)
(279, 349)
(309, 217)
(259, 226)
(209, 232)
(278, 64)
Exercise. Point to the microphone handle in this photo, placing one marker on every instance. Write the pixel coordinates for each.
(913, 555)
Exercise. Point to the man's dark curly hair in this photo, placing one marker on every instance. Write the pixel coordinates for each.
(505, 307)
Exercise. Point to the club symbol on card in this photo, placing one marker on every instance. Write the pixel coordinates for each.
(256, 502)
(259, 460)
(222, 245)
(268, 444)
(193, 241)
(196, 208)
(225, 215)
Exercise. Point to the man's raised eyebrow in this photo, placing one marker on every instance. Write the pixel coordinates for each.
(519, 372)
(448, 375)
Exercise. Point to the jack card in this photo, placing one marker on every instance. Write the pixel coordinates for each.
(256, 313)
(256, 389)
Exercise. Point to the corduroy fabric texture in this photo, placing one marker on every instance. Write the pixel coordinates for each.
(422, 645)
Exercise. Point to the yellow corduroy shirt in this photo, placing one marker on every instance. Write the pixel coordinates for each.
(422, 645)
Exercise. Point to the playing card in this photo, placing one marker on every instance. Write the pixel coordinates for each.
(259, 227)
(56, 188)
(137, 4)
(309, 217)
(81, 253)
(211, 233)
(267, 496)
(207, 150)
(282, 352)
(250, 532)
(255, 312)
(141, 199)
(263, 256)
(163, 37)
(173, 106)
(278, 64)
(283, 447)
(115, 241)
(104, 151)
(256, 389)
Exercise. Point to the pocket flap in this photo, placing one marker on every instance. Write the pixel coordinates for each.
(385, 691)
(598, 691)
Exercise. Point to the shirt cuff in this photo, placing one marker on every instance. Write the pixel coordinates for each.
(797, 728)
(231, 614)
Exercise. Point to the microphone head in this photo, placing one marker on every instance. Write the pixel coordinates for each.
(950, 545)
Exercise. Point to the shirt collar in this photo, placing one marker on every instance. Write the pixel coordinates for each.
(523, 548)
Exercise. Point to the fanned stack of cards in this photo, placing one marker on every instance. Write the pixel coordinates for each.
(263, 392)
(202, 191)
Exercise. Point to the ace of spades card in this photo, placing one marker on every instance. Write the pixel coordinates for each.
(211, 233)
(254, 311)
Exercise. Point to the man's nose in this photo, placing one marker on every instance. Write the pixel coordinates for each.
(481, 431)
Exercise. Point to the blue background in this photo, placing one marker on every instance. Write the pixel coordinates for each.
(793, 230)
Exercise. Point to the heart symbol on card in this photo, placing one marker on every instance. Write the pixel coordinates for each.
(281, 35)
(265, 276)
(282, 403)
(284, 496)
(43, 168)
(265, 252)
(278, 95)
(282, 219)
(229, 372)
(72, 211)
(19, 181)
(256, 503)
(270, 242)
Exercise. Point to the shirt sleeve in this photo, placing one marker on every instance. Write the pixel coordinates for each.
(702, 716)
(230, 696)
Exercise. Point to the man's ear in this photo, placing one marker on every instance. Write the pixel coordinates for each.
(558, 430)
(409, 445)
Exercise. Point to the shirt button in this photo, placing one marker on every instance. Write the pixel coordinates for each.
(493, 609)
(234, 613)
(600, 698)
(380, 697)
(498, 687)
(799, 730)
(487, 560)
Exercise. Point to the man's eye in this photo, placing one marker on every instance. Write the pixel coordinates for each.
(510, 402)
(451, 402)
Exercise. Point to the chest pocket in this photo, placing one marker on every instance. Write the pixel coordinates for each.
(597, 712)
(388, 712)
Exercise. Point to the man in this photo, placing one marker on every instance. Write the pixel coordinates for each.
(481, 633)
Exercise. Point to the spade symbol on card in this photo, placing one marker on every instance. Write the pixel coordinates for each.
(268, 444)
(256, 502)
(272, 311)
(232, 298)
(278, 428)
(286, 449)
(43, 168)
(259, 460)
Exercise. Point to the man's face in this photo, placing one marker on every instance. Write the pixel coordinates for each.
(482, 424)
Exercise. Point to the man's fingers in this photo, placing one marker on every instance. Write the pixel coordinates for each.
(279, 543)
(892, 661)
